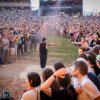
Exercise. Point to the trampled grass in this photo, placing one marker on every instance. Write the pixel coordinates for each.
(64, 51)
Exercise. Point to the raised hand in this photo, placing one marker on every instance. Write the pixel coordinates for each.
(61, 72)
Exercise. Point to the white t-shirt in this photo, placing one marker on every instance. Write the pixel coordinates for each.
(31, 95)
(90, 91)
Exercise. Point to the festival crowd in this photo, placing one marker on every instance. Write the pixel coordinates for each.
(20, 30)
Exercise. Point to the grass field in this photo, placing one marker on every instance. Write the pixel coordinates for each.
(65, 52)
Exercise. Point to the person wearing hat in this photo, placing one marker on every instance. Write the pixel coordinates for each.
(43, 53)
(98, 64)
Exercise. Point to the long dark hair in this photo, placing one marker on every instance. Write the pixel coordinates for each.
(58, 65)
(92, 60)
(66, 83)
(96, 50)
(47, 72)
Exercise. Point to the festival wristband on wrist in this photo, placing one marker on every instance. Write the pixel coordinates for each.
(55, 76)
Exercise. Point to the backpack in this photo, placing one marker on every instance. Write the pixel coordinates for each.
(6, 96)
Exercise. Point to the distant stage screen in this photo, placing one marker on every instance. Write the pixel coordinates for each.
(75, 1)
(62, 2)
(56, 6)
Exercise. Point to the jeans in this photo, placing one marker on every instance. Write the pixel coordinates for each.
(43, 59)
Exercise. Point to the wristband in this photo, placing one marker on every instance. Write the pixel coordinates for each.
(55, 76)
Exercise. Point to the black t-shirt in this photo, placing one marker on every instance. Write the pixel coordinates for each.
(79, 37)
(94, 79)
(92, 43)
(43, 96)
(98, 42)
(64, 94)
(96, 70)
(42, 49)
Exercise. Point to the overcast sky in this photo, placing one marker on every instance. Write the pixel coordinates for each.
(88, 5)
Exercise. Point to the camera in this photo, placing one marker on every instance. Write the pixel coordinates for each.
(6, 96)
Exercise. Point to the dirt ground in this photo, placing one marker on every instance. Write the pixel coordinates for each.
(12, 77)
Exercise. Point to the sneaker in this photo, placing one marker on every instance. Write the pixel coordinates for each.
(28, 50)
(33, 49)
(12, 62)
(3, 65)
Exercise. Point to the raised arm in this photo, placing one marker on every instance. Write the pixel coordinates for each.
(46, 85)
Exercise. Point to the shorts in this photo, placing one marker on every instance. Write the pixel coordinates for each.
(12, 51)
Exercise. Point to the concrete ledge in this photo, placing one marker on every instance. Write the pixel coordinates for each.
(15, 4)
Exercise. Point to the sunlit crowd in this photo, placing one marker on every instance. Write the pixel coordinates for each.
(21, 32)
